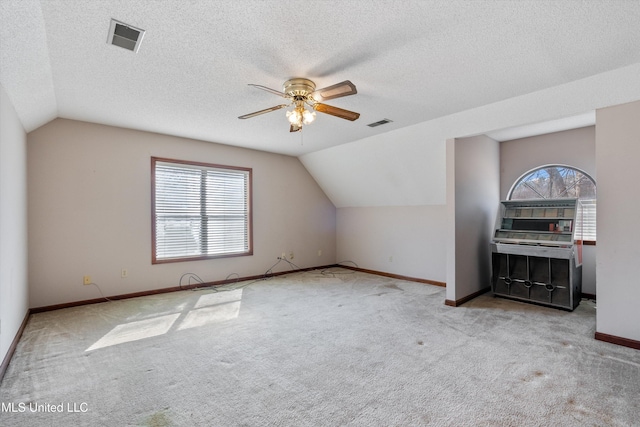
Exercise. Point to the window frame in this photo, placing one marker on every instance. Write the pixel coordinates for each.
(201, 166)
(589, 242)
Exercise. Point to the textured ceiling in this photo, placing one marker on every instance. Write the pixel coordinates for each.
(412, 61)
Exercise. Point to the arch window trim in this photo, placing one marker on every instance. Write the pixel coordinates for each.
(589, 205)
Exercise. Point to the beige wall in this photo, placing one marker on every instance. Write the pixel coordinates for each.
(90, 212)
(404, 240)
(577, 148)
(473, 167)
(618, 269)
(13, 224)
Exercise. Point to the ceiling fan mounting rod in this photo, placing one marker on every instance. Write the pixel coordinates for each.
(299, 87)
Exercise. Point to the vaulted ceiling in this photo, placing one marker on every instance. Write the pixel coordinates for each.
(438, 69)
(412, 61)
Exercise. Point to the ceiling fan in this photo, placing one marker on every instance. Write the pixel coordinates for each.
(301, 92)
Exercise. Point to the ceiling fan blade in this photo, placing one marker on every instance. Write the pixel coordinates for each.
(273, 91)
(337, 90)
(335, 111)
(266, 110)
(295, 128)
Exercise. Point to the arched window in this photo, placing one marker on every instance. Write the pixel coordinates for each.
(558, 182)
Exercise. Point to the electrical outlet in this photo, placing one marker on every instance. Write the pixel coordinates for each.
(291, 255)
(124, 273)
(319, 252)
(86, 280)
(390, 259)
(284, 255)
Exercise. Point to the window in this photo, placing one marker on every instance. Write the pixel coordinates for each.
(557, 182)
(199, 211)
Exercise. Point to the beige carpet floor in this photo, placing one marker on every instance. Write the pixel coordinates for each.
(333, 348)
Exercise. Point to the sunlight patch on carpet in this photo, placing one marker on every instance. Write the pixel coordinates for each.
(213, 308)
(219, 298)
(135, 331)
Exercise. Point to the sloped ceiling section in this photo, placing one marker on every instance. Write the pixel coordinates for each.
(412, 61)
(25, 70)
(406, 167)
(439, 69)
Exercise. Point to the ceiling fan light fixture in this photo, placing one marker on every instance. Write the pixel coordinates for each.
(294, 117)
(308, 116)
(300, 115)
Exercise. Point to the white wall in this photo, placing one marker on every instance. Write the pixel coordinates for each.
(575, 148)
(404, 240)
(473, 193)
(13, 224)
(90, 212)
(404, 167)
(618, 253)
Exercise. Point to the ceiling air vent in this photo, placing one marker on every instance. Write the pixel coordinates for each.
(124, 35)
(379, 123)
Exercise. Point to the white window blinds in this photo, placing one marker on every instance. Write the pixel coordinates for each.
(586, 227)
(200, 210)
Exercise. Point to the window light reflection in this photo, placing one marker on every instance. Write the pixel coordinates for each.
(210, 308)
(135, 331)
